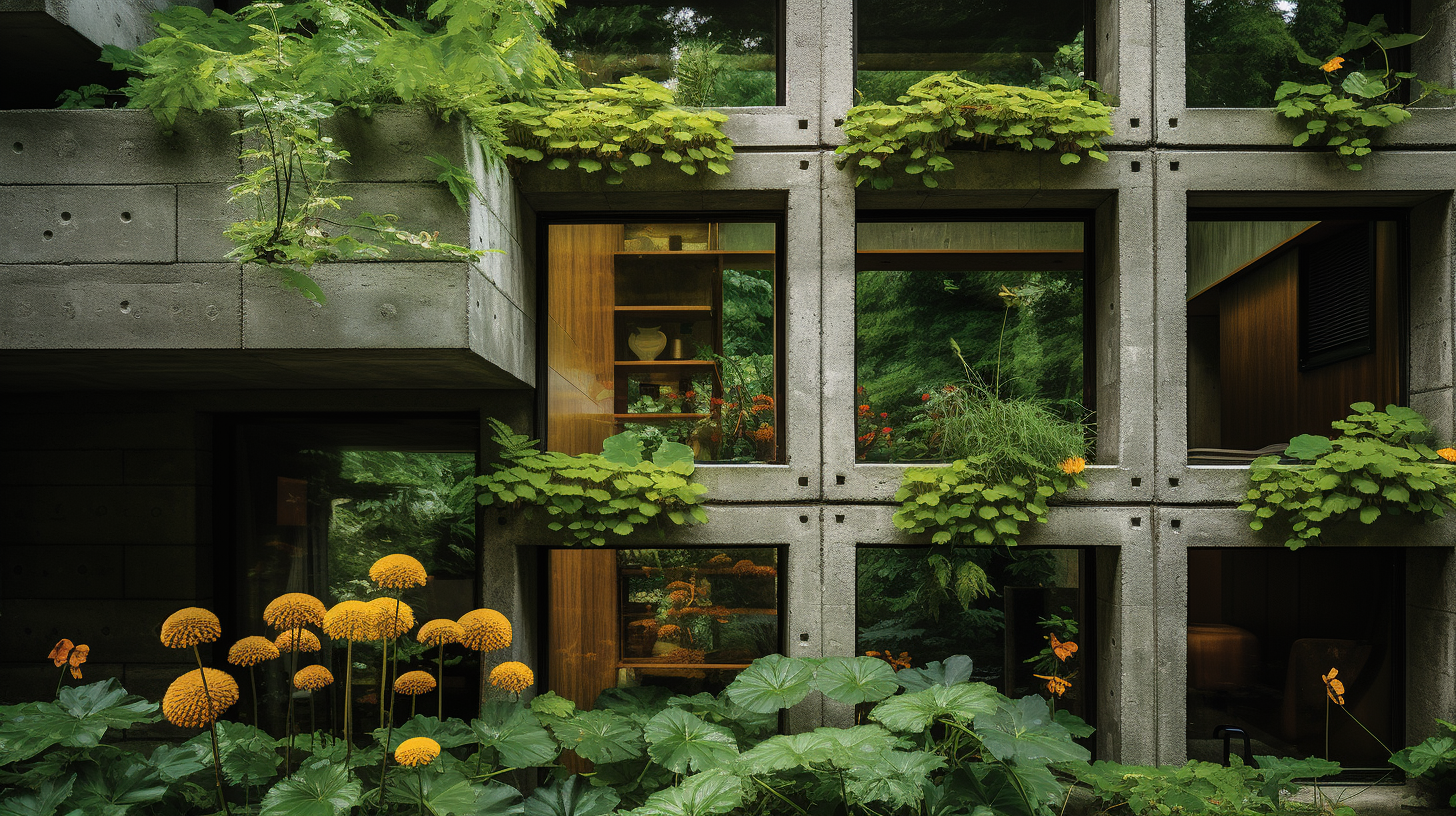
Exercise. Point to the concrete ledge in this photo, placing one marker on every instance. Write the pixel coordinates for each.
(75, 224)
(115, 147)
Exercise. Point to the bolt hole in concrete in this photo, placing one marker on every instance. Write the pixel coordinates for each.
(17, 147)
(1137, 166)
(47, 235)
(126, 218)
(1134, 121)
(1172, 123)
(803, 165)
(66, 217)
(126, 307)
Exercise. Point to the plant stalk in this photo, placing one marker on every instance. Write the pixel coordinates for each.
(440, 682)
(212, 729)
(348, 703)
(288, 684)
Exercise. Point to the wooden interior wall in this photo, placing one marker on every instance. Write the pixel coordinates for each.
(579, 344)
(583, 626)
(1265, 397)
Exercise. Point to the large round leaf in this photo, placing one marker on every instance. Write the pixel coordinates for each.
(855, 680)
(704, 794)
(516, 735)
(681, 742)
(600, 736)
(771, 683)
(571, 797)
(316, 790)
(916, 710)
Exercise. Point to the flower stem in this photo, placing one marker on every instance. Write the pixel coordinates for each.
(62, 679)
(348, 703)
(253, 684)
(1367, 730)
(211, 729)
(440, 681)
(288, 685)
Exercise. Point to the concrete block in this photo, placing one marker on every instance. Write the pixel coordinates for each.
(1430, 356)
(154, 572)
(116, 147)
(383, 306)
(62, 467)
(112, 628)
(1436, 406)
(103, 515)
(167, 467)
(62, 572)
(130, 306)
(501, 332)
(394, 144)
(73, 224)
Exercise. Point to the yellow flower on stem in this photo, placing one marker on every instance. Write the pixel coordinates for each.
(486, 630)
(297, 640)
(1335, 64)
(252, 650)
(1334, 688)
(392, 623)
(1073, 465)
(1056, 685)
(416, 751)
(440, 631)
(292, 610)
(514, 677)
(189, 704)
(190, 626)
(415, 682)
(312, 677)
(398, 572)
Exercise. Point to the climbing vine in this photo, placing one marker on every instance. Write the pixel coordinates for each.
(591, 497)
(945, 111)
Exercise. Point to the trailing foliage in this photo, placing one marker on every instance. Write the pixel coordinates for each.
(944, 111)
(1346, 115)
(1434, 760)
(1381, 463)
(616, 127)
(596, 496)
(961, 503)
(1200, 787)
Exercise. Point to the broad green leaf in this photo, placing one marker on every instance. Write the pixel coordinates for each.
(451, 794)
(673, 453)
(897, 778)
(450, 734)
(516, 735)
(1418, 759)
(855, 680)
(680, 742)
(704, 794)
(318, 789)
(43, 802)
(79, 718)
(622, 449)
(1366, 84)
(571, 796)
(175, 762)
(955, 669)
(915, 711)
(599, 736)
(1308, 447)
(118, 786)
(771, 683)
(1024, 731)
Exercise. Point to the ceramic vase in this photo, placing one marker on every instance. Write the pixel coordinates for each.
(647, 342)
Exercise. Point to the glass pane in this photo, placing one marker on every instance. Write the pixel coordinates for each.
(316, 514)
(993, 41)
(902, 606)
(719, 53)
(1239, 51)
(666, 330)
(1265, 625)
(1290, 320)
(691, 618)
(934, 334)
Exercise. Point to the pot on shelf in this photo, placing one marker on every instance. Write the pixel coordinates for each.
(647, 342)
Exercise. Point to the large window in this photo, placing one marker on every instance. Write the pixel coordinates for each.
(315, 504)
(963, 328)
(1239, 51)
(1291, 318)
(993, 41)
(1264, 625)
(1008, 609)
(668, 330)
(723, 53)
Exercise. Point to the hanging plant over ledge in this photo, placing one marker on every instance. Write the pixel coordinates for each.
(944, 111)
(593, 497)
(616, 127)
(1380, 464)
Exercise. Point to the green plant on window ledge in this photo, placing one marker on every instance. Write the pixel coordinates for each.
(1016, 454)
(592, 497)
(946, 111)
(1381, 464)
(1345, 112)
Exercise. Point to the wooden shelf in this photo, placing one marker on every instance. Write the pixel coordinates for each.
(697, 253)
(668, 314)
(656, 417)
(644, 665)
(648, 365)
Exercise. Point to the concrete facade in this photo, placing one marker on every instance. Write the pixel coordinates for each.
(124, 335)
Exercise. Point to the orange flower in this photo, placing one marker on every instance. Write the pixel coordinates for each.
(59, 653)
(1062, 650)
(1073, 466)
(1449, 454)
(1056, 685)
(1334, 688)
(78, 656)
(924, 397)
(1335, 64)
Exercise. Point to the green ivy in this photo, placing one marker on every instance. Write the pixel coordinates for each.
(593, 497)
(1344, 116)
(958, 503)
(944, 111)
(616, 127)
(1379, 464)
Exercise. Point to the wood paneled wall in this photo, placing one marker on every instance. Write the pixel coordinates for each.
(1265, 398)
(579, 343)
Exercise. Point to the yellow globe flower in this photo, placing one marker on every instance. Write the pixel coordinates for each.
(293, 610)
(391, 623)
(485, 630)
(252, 650)
(440, 631)
(190, 626)
(512, 676)
(415, 682)
(297, 640)
(398, 572)
(352, 620)
(187, 705)
(416, 751)
(312, 677)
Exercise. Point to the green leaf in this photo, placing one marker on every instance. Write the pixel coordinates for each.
(79, 718)
(317, 789)
(855, 680)
(515, 733)
(955, 669)
(915, 711)
(897, 778)
(1308, 447)
(571, 797)
(173, 763)
(451, 733)
(673, 454)
(1366, 84)
(623, 449)
(1025, 731)
(705, 794)
(1368, 514)
(451, 794)
(680, 742)
(43, 802)
(599, 736)
(771, 683)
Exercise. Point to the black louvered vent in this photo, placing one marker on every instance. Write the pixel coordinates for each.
(1337, 298)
